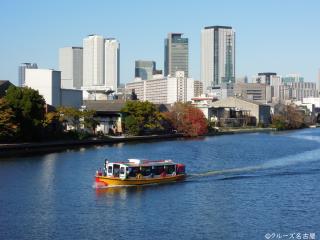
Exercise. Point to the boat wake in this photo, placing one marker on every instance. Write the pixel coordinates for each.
(309, 156)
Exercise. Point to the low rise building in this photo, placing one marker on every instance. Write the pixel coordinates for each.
(240, 111)
(48, 83)
(108, 114)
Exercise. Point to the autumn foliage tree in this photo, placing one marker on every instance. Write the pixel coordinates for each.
(288, 117)
(187, 119)
(8, 126)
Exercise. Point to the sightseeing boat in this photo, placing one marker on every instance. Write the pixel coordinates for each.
(139, 172)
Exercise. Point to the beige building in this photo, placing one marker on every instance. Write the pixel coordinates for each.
(198, 88)
(234, 108)
(253, 91)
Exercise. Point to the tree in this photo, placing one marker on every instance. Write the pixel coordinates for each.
(288, 117)
(28, 107)
(69, 117)
(141, 118)
(53, 128)
(8, 126)
(188, 120)
(87, 117)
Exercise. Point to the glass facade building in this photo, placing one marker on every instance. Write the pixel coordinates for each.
(144, 69)
(176, 54)
(217, 56)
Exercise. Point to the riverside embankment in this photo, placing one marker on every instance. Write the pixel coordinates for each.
(18, 149)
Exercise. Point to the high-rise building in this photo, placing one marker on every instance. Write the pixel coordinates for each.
(22, 72)
(71, 67)
(144, 69)
(93, 61)
(217, 56)
(165, 90)
(318, 80)
(265, 77)
(112, 63)
(292, 78)
(176, 54)
(101, 66)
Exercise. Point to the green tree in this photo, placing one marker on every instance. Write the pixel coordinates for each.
(70, 117)
(141, 118)
(53, 128)
(87, 117)
(131, 125)
(8, 126)
(28, 107)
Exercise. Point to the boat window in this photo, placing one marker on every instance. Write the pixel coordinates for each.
(157, 170)
(170, 169)
(110, 169)
(122, 170)
(116, 170)
(146, 171)
(133, 171)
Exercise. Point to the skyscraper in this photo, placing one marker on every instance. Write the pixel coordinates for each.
(22, 72)
(112, 63)
(101, 64)
(319, 79)
(176, 54)
(71, 67)
(217, 56)
(93, 61)
(144, 69)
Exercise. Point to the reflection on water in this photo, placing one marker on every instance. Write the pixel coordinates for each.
(240, 187)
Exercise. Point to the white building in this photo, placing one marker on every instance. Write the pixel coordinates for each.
(22, 72)
(101, 66)
(165, 90)
(217, 56)
(48, 83)
(112, 63)
(93, 61)
(71, 67)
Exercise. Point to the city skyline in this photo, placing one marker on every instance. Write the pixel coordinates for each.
(283, 43)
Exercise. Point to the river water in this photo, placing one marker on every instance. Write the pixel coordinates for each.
(246, 186)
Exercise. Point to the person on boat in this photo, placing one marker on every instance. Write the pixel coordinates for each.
(164, 172)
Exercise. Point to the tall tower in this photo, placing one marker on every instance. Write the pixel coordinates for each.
(217, 56)
(71, 67)
(93, 61)
(112, 63)
(176, 54)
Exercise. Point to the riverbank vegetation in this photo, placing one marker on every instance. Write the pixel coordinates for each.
(24, 117)
(288, 117)
(142, 118)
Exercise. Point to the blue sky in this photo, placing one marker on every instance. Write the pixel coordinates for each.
(275, 35)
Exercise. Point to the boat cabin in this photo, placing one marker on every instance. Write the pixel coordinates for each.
(136, 168)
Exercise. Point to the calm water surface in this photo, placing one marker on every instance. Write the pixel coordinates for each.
(240, 187)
